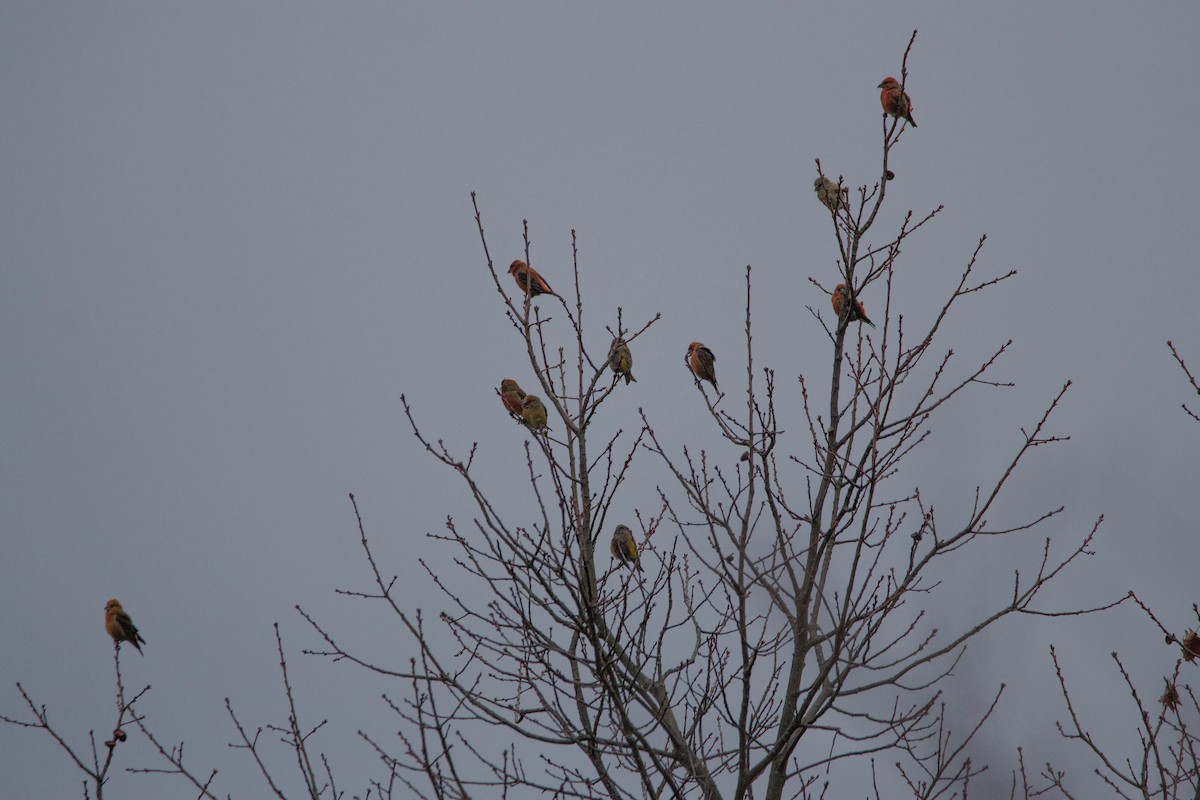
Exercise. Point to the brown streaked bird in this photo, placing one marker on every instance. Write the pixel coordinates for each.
(120, 626)
(701, 362)
(533, 412)
(856, 312)
(1170, 697)
(832, 195)
(528, 279)
(624, 548)
(895, 101)
(513, 396)
(620, 360)
(1191, 645)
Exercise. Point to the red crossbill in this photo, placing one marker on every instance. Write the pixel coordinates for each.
(533, 412)
(512, 396)
(620, 360)
(857, 311)
(701, 362)
(624, 548)
(528, 279)
(832, 195)
(120, 627)
(895, 101)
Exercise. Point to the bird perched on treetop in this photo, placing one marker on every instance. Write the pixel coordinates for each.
(624, 548)
(895, 101)
(700, 361)
(120, 626)
(832, 195)
(620, 360)
(533, 412)
(857, 311)
(528, 279)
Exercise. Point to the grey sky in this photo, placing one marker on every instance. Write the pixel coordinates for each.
(232, 234)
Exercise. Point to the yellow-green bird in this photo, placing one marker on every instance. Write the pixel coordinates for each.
(533, 412)
(831, 194)
(120, 626)
(620, 360)
(624, 548)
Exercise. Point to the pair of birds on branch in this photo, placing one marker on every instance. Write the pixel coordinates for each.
(896, 103)
(835, 197)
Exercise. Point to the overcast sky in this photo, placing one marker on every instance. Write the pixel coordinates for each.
(232, 234)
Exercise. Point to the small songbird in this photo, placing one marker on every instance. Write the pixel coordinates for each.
(120, 627)
(533, 412)
(856, 312)
(624, 548)
(620, 360)
(528, 279)
(832, 195)
(700, 361)
(513, 396)
(895, 101)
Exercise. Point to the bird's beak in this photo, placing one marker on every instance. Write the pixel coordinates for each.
(880, 86)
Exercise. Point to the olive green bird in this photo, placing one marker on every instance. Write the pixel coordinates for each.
(831, 195)
(533, 412)
(620, 360)
(624, 548)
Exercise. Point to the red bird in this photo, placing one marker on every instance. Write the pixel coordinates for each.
(895, 101)
(513, 396)
(701, 361)
(857, 312)
(528, 279)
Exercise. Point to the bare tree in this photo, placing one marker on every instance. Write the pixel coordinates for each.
(94, 766)
(314, 773)
(784, 640)
(1166, 764)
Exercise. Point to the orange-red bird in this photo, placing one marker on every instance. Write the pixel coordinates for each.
(701, 362)
(895, 101)
(120, 626)
(857, 312)
(513, 396)
(528, 279)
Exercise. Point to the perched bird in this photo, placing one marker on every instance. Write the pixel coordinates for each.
(1191, 645)
(857, 312)
(1170, 697)
(896, 101)
(533, 412)
(624, 548)
(831, 194)
(513, 396)
(528, 279)
(620, 360)
(120, 627)
(700, 361)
